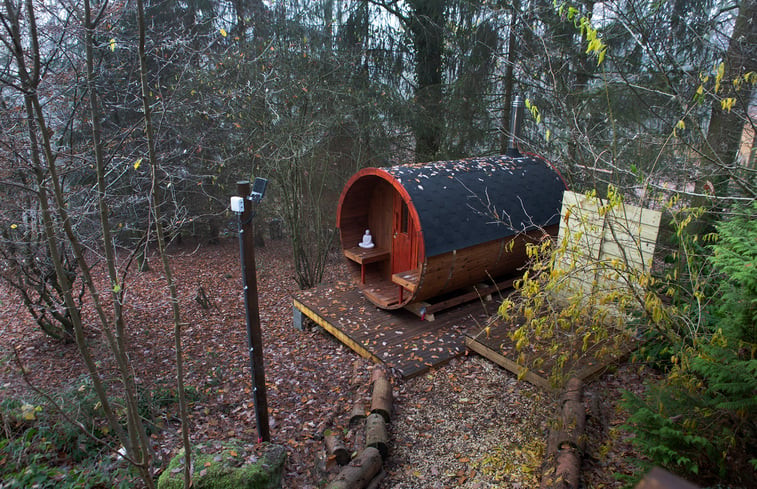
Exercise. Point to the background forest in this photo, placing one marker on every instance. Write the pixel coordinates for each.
(125, 125)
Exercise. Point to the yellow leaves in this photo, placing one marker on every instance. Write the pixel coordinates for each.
(727, 103)
(720, 72)
(112, 45)
(14, 226)
(601, 56)
(522, 373)
(594, 43)
(680, 125)
(137, 163)
(29, 411)
(528, 313)
(535, 113)
(223, 32)
(585, 344)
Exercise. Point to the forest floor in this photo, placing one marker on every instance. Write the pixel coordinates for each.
(467, 424)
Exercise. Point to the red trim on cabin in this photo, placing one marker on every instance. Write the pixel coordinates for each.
(380, 172)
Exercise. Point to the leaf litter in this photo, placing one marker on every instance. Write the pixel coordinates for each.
(468, 424)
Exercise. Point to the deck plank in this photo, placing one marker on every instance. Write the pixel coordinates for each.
(398, 339)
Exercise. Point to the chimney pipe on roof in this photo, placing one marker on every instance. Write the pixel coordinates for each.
(516, 116)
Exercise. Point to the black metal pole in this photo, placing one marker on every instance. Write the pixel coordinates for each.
(254, 336)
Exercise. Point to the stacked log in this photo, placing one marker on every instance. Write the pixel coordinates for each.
(381, 400)
(376, 435)
(335, 448)
(357, 415)
(360, 472)
(566, 440)
(365, 470)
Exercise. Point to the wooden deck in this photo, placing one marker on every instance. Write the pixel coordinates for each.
(498, 347)
(397, 339)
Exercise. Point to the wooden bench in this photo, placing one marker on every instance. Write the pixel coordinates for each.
(364, 256)
(407, 280)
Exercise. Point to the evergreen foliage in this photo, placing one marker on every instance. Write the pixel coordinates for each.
(701, 418)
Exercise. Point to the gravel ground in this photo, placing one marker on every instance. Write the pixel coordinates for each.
(469, 424)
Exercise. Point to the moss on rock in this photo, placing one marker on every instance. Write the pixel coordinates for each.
(228, 465)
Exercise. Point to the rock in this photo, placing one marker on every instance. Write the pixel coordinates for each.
(231, 464)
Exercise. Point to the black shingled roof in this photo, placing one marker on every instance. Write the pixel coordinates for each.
(462, 203)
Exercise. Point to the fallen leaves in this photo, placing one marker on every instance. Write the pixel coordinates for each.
(447, 420)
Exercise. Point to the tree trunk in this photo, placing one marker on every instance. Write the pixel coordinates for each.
(358, 413)
(173, 292)
(726, 126)
(426, 26)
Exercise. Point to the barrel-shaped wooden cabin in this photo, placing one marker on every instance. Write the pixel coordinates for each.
(442, 226)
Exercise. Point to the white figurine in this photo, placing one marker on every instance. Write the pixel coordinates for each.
(367, 240)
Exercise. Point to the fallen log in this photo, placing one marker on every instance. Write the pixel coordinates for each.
(381, 400)
(376, 480)
(360, 472)
(376, 435)
(566, 441)
(335, 448)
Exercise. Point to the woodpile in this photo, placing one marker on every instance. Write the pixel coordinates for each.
(365, 470)
(567, 440)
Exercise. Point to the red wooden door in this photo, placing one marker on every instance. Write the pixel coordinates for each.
(403, 231)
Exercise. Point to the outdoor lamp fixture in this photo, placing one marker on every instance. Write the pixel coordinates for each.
(256, 195)
(258, 189)
(244, 206)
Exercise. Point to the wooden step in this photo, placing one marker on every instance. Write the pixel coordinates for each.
(407, 279)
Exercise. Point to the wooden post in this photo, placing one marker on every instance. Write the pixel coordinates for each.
(254, 336)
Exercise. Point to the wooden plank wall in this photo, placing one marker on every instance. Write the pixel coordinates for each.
(605, 243)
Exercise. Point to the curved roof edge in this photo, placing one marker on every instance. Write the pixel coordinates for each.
(462, 203)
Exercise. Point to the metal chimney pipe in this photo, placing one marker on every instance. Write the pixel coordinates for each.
(516, 116)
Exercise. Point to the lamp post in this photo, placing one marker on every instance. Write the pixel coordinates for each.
(244, 207)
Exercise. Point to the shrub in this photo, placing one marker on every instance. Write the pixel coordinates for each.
(701, 419)
(579, 307)
(37, 451)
